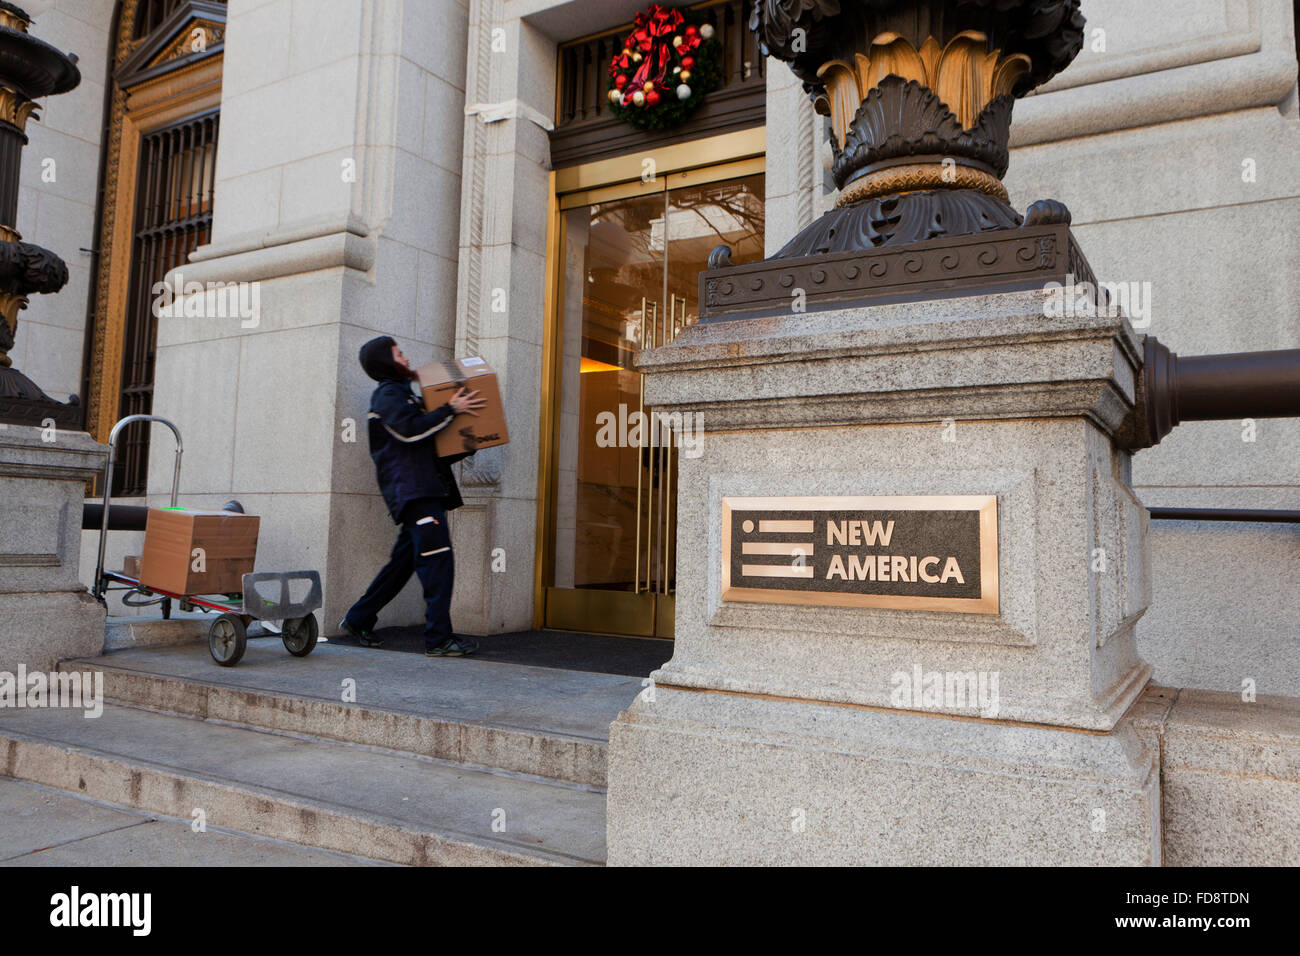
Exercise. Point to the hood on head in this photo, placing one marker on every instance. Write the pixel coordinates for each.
(377, 360)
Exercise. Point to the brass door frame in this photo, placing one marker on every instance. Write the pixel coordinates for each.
(729, 156)
(699, 153)
(663, 183)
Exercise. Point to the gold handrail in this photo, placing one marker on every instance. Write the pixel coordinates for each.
(656, 538)
(648, 308)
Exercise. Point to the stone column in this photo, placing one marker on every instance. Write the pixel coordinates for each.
(1207, 139)
(500, 296)
(796, 159)
(338, 183)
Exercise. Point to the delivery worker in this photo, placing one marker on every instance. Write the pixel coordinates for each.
(419, 489)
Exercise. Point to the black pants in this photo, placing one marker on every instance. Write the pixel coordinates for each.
(423, 546)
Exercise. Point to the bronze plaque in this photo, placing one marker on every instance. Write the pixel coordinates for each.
(911, 552)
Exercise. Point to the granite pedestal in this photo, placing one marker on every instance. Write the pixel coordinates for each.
(777, 733)
(46, 613)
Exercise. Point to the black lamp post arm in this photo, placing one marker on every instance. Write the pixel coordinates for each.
(1173, 389)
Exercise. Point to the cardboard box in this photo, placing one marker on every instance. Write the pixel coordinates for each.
(441, 380)
(172, 561)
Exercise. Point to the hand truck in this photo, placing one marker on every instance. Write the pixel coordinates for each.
(286, 596)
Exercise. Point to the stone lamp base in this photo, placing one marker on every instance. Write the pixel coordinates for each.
(818, 732)
(46, 614)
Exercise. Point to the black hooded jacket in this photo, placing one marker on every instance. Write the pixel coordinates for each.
(402, 436)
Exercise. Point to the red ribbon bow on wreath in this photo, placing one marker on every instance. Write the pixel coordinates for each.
(651, 35)
(665, 65)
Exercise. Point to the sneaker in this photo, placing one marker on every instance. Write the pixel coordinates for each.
(455, 647)
(364, 638)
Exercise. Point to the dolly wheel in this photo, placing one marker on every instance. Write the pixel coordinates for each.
(299, 635)
(227, 640)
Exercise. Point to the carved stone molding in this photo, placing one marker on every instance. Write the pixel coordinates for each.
(198, 36)
(480, 228)
(193, 31)
(482, 470)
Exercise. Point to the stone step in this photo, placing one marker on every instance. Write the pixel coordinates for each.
(184, 627)
(538, 721)
(44, 827)
(385, 805)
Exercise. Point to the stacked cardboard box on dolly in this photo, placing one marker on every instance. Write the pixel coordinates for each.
(198, 552)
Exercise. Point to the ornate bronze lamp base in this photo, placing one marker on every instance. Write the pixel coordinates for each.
(920, 97)
(29, 69)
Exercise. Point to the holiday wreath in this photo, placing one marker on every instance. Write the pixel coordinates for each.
(668, 64)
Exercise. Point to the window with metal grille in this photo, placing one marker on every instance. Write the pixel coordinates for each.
(173, 217)
(149, 14)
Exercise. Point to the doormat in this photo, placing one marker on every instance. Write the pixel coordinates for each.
(565, 650)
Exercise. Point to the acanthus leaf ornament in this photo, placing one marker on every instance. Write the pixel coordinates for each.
(919, 96)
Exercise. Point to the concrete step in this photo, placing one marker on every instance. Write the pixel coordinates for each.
(187, 628)
(385, 805)
(184, 627)
(44, 827)
(538, 721)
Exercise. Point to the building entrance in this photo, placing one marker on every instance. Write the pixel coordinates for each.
(631, 259)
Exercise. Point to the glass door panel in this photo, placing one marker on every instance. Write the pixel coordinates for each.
(631, 271)
(700, 218)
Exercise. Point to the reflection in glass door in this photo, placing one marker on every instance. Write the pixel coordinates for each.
(631, 276)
